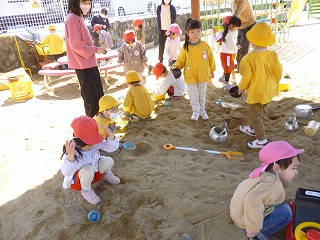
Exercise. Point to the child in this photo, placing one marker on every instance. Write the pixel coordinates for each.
(229, 49)
(174, 87)
(55, 43)
(172, 45)
(103, 20)
(139, 31)
(137, 102)
(261, 73)
(197, 60)
(82, 163)
(81, 55)
(257, 203)
(105, 39)
(108, 111)
(132, 54)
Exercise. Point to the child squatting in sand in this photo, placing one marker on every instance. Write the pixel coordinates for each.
(82, 164)
(257, 204)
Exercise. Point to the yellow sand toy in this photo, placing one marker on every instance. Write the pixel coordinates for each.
(311, 234)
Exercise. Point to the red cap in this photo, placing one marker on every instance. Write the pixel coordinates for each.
(226, 19)
(97, 27)
(158, 70)
(128, 36)
(137, 22)
(86, 129)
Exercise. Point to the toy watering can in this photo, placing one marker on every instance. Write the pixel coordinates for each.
(219, 134)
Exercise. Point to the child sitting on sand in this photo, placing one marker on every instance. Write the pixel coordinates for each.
(174, 87)
(82, 164)
(137, 102)
(257, 204)
(108, 111)
(261, 72)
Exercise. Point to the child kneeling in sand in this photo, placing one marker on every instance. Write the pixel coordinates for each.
(82, 164)
(257, 204)
(137, 102)
(175, 87)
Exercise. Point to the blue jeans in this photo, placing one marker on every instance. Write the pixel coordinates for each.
(272, 223)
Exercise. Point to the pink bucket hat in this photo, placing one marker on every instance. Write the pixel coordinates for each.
(87, 130)
(174, 28)
(273, 152)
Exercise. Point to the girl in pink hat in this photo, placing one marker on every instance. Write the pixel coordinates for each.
(172, 45)
(82, 164)
(257, 204)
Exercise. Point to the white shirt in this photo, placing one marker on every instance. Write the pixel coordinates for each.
(172, 48)
(230, 43)
(170, 80)
(165, 16)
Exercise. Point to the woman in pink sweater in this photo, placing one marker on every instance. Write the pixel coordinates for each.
(81, 55)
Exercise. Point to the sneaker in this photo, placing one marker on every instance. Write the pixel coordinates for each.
(228, 86)
(247, 130)
(111, 178)
(221, 79)
(204, 115)
(90, 196)
(258, 144)
(150, 69)
(195, 117)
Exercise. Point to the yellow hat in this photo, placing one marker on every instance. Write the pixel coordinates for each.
(132, 76)
(52, 27)
(261, 35)
(106, 102)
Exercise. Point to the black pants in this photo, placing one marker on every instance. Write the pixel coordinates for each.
(162, 41)
(56, 57)
(243, 42)
(91, 89)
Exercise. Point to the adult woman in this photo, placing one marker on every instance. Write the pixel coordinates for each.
(81, 54)
(166, 15)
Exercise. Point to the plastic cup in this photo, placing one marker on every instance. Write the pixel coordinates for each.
(93, 216)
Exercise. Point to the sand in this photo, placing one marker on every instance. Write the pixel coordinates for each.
(163, 193)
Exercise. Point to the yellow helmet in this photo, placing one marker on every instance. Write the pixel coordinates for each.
(106, 102)
(52, 27)
(132, 76)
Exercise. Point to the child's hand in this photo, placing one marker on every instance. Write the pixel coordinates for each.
(239, 46)
(251, 233)
(212, 75)
(71, 149)
(100, 50)
(240, 92)
(107, 131)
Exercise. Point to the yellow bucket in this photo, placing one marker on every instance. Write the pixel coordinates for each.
(159, 98)
(284, 87)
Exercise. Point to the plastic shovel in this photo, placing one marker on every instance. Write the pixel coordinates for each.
(128, 145)
(169, 146)
(228, 154)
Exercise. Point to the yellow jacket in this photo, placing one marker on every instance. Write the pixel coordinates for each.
(198, 63)
(255, 198)
(104, 121)
(55, 43)
(261, 73)
(138, 101)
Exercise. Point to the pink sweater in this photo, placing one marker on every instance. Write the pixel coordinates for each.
(80, 49)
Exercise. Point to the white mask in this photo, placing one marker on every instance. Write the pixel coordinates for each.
(166, 2)
(113, 115)
(85, 8)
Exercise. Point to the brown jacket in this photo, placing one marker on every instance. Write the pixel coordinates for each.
(243, 10)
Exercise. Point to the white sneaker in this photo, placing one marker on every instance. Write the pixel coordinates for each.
(258, 144)
(247, 130)
(111, 178)
(195, 117)
(221, 79)
(90, 196)
(204, 115)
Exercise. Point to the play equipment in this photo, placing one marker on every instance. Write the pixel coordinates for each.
(219, 134)
(228, 154)
(292, 124)
(128, 145)
(169, 146)
(93, 216)
(306, 215)
(295, 11)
